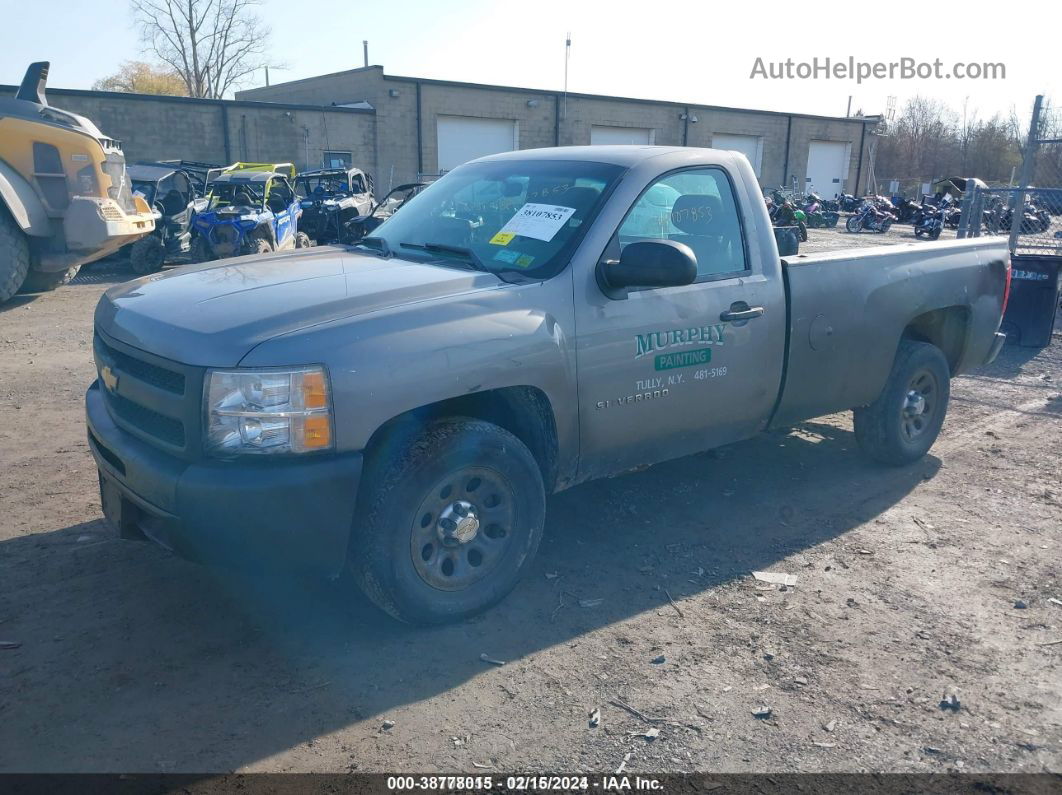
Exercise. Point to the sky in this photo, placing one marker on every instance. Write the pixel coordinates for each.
(696, 52)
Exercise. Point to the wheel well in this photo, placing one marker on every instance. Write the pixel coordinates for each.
(945, 328)
(524, 411)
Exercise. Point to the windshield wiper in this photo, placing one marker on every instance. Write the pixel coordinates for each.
(444, 248)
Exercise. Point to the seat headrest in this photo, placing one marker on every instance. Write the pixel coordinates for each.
(697, 213)
(581, 198)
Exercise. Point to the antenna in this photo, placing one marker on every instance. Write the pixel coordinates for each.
(567, 52)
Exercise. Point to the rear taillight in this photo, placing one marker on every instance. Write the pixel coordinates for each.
(1006, 285)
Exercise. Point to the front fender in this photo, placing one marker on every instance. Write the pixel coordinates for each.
(391, 362)
(23, 203)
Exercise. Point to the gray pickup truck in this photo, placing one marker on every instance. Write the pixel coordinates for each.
(400, 409)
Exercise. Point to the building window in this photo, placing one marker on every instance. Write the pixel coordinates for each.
(338, 159)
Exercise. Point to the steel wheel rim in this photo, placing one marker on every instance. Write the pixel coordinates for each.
(440, 557)
(919, 404)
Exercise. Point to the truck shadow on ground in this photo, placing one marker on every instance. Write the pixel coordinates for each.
(134, 660)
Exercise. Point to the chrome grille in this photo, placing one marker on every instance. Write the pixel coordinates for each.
(156, 399)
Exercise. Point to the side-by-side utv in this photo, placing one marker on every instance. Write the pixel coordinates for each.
(171, 191)
(332, 199)
(251, 208)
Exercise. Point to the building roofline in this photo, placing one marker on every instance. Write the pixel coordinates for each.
(231, 103)
(605, 97)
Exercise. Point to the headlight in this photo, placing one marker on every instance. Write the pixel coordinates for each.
(268, 411)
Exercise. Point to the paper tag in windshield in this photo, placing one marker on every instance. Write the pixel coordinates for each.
(540, 221)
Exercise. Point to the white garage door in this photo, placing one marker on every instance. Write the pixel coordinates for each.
(620, 135)
(827, 167)
(749, 145)
(464, 138)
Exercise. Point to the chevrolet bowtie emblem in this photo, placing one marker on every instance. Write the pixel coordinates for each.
(109, 378)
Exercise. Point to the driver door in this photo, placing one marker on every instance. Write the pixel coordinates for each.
(668, 371)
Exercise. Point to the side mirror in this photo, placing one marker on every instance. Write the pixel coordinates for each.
(648, 263)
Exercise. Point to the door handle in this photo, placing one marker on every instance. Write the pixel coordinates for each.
(741, 311)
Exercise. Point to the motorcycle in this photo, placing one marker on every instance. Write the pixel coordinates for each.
(817, 216)
(928, 221)
(905, 209)
(788, 214)
(847, 203)
(869, 217)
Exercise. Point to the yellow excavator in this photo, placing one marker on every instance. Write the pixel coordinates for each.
(65, 199)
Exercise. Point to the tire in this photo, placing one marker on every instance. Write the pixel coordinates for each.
(14, 256)
(302, 240)
(885, 225)
(44, 281)
(934, 233)
(853, 223)
(200, 250)
(398, 555)
(899, 428)
(918, 232)
(147, 255)
(258, 246)
(803, 231)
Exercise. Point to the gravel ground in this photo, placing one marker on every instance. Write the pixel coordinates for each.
(913, 586)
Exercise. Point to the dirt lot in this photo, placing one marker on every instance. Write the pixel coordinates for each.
(912, 584)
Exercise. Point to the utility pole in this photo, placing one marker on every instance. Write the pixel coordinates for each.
(1027, 164)
(567, 52)
(267, 75)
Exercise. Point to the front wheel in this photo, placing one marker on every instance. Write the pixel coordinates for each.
(302, 240)
(853, 224)
(14, 256)
(147, 255)
(903, 423)
(451, 520)
(200, 250)
(934, 233)
(885, 226)
(803, 231)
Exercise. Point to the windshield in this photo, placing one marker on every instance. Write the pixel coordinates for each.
(237, 194)
(509, 215)
(392, 201)
(145, 189)
(323, 185)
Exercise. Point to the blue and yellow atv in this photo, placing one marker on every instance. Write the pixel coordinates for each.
(251, 209)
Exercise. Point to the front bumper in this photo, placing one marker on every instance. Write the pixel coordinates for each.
(260, 515)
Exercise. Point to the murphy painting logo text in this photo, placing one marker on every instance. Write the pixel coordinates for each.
(644, 344)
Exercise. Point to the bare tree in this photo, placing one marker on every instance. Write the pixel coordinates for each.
(214, 45)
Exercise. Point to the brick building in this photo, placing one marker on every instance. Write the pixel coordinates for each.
(426, 126)
(399, 128)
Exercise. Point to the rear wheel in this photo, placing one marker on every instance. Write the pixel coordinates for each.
(147, 255)
(452, 518)
(258, 246)
(43, 281)
(302, 240)
(14, 256)
(903, 423)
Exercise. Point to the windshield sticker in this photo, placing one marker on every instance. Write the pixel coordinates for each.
(540, 221)
(508, 256)
(502, 238)
(524, 261)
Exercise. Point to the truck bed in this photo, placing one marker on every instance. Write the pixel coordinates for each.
(848, 311)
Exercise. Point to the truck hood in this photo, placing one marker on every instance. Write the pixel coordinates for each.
(214, 314)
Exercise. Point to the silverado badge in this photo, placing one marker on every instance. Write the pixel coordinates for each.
(109, 378)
